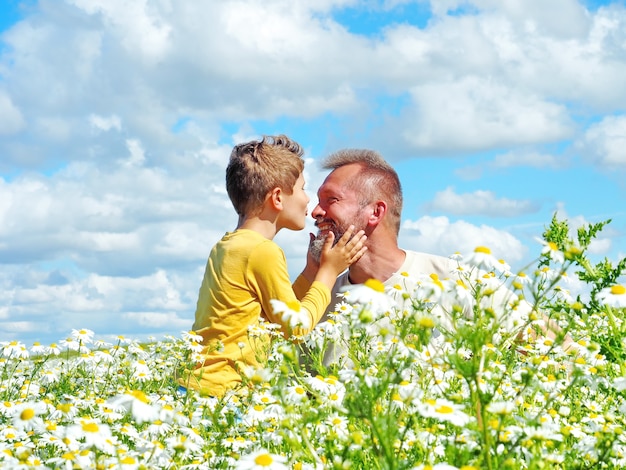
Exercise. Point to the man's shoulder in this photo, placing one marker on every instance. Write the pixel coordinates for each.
(427, 263)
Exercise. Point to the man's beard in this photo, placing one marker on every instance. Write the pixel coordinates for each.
(315, 248)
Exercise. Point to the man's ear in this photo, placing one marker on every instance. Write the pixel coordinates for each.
(378, 213)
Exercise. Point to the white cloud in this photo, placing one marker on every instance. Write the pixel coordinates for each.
(129, 212)
(137, 25)
(529, 159)
(514, 159)
(103, 123)
(539, 15)
(600, 246)
(479, 203)
(11, 120)
(604, 143)
(478, 114)
(137, 156)
(150, 304)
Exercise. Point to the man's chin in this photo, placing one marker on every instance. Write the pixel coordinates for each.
(316, 247)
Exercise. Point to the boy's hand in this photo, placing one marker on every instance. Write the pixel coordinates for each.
(348, 249)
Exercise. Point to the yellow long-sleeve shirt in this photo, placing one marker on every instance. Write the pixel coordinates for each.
(243, 273)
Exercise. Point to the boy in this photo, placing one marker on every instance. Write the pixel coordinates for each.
(246, 269)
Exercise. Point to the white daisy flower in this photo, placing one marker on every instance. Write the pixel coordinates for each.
(443, 410)
(83, 335)
(27, 416)
(292, 314)
(14, 349)
(92, 433)
(614, 296)
(137, 403)
(53, 349)
(296, 394)
(37, 348)
(482, 258)
(437, 466)
(501, 407)
(620, 383)
(552, 251)
(73, 345)
(257, 375)
(371, 294)
(191, 336)
(261, 460)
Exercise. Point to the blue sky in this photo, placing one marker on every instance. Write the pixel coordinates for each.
(117, 118)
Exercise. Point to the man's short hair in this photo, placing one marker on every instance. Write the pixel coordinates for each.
(257, 167)
(377, 180)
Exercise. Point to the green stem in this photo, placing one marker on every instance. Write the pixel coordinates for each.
(482, 417)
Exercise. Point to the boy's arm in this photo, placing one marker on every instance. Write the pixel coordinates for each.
(307, 276)
(267, 272)
(301, 285)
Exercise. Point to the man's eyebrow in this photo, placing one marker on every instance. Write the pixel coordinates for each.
(327, 192)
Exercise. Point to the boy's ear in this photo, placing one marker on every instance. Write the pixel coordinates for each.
(276, 198)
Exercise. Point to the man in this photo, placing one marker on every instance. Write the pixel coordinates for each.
(363, 190)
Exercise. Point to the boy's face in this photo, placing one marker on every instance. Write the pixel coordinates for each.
(295, 206)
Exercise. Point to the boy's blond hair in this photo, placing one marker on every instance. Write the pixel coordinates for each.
(257, 167)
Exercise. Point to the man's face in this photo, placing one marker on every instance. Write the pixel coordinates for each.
(337, 208)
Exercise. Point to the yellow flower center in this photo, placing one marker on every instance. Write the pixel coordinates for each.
(375, 284)
(27, 414)
(264, 460)
(64, 407)
(90, 427)
(618, 289)
(436, 280)
(139, 395)
(482, 249)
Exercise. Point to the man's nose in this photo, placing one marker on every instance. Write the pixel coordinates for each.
(317, 212)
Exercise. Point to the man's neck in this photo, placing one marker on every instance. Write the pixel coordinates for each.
(379, 265)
